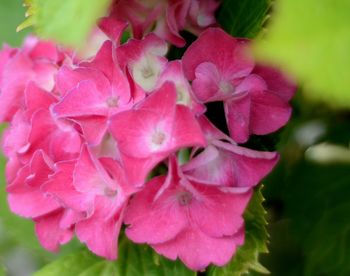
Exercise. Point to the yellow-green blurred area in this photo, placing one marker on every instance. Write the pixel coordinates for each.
(308, 194)
(311, 39)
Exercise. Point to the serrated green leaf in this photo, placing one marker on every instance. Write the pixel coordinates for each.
(243, 18)
(68, 21)
(133, 260)
(311, 40)
(247, 256)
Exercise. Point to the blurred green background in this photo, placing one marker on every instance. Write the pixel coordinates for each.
(307, 195)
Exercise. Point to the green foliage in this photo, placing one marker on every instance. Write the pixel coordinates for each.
(317, 201)
(11, 14)
(133, 260)
(68, 21)
(311, 40)
(243, 18)
(247, 257)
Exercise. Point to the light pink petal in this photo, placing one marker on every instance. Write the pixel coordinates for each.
(153, 220)
(37, 98)
(25, 195)
(60, 185)
(93, 127)
(83, 100)
(14, 77)
(90, 177)
(219, 213)
(100, 232)
(68, 78)
(198, 250)
(49, 232)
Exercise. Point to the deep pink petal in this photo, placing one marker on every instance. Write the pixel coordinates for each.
(268, 112)
(237, 111)
(225, 52)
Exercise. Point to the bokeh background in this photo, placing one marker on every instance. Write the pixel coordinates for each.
(307, 195)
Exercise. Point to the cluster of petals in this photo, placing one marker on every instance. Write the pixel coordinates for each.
(85, 137)
(166, 18)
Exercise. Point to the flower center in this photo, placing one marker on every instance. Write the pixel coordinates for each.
(158, 138)
(147, 72)
(109, 192)
(112, 101)
(226, 87)
(184, 198)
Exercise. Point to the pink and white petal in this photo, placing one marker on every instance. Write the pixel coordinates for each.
(206, 83)
(249, 166)
(229, 55)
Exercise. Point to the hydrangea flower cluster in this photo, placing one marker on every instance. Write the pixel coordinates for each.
(85, 136)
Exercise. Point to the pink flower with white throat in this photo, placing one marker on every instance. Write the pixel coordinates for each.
(221, 68)
(179, 218)
(159, 127)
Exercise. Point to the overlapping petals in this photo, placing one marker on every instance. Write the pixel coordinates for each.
(87, 138)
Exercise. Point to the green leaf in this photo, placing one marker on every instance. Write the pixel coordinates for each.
(247, 256)
(133, 260)
(243, 18)
(68, 21)
(311, 39)
(11, 14)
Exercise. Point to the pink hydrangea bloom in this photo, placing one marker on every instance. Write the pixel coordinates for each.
(37, 62)
(166, 18)
(84, 135)
(160, 127)
(252, 105)
(182, 218)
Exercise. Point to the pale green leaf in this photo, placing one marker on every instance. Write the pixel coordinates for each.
(68, 22)
(311, 39)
